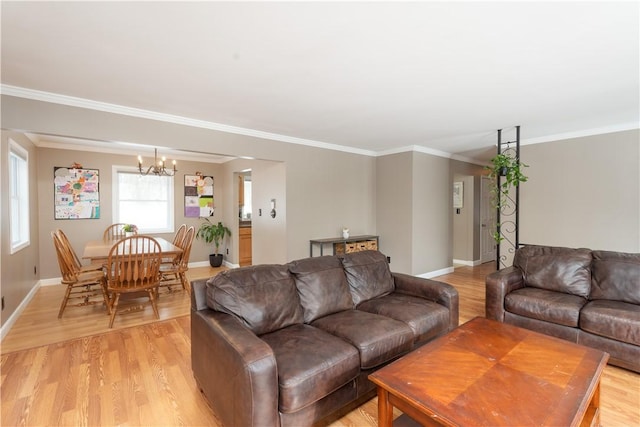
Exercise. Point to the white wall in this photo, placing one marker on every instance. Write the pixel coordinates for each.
(394, 209)
(583, 192)
(414, 211)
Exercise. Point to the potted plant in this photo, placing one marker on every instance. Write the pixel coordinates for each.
(509, 169)
(210, 232)
(129, 229)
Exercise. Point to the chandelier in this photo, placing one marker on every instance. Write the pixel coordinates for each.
(158, 167)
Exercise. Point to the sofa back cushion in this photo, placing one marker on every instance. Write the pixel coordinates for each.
(558, 269)
(368, 275)
(263, 297)
(322, 286)
(616, 276)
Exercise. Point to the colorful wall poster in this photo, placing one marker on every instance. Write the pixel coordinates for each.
(76, 193)
(198, 196)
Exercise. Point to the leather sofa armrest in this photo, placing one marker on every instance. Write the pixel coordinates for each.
(439, 292)
(498, 285)
(199, 294)
(235, 369)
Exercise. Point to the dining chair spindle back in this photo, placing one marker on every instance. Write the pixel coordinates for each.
(133, 266)
(114, 232)
(83, 285)
(76, 260)
(180, 265)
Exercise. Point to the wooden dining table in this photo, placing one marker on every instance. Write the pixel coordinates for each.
(96, 250)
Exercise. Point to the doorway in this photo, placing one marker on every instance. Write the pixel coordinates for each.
(245, 218)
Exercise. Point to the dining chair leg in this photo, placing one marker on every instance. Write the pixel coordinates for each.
(153, 301)
(105, 295)
(64, 301)
(183, 281)
(114, 308)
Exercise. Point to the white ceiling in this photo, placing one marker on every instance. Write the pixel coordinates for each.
(371, 76)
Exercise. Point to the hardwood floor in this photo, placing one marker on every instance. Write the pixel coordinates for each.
(39, 325)
(141, 375)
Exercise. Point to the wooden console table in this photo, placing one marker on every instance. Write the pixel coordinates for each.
(341, 245)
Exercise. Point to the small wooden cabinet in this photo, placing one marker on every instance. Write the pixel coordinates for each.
(240, 190)
(244, 246)
(341, 246)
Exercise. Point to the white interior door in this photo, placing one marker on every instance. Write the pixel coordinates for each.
(487, 222)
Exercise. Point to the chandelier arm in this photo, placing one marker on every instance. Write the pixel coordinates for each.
(157, 168)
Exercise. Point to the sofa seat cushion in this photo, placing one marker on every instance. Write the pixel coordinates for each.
(322, 286)
(377, 338)
(263, 297)
(311, 364)
(549, 306)
(612, 319)
(426, 319)
(368, 275)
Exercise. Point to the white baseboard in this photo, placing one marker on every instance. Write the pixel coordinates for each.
(469, 263)
(199, 264)
(6, 327)
(436, 273)
(206, 264)
(50, 282)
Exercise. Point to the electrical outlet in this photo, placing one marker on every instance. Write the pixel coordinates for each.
(35, 270)
(388, 260)
(227, 251)
(2, 303)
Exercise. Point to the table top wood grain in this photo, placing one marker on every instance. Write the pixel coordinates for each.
(487, 373)
(99, 249)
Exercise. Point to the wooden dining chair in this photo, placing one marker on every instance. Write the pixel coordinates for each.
(114, 232)
(76, 260)
(177, 241)
(175, 272)
(133, 266)
(85, 286)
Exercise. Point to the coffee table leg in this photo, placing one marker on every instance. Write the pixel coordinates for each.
(385, 409)
(592, 415)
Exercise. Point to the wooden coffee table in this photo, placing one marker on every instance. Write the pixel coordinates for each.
(487, 373)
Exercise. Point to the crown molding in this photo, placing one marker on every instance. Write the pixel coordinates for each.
(415, 149)
(621, 127)
(73, 101)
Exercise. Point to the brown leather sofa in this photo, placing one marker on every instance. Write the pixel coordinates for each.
(587, 297)
(289, 345)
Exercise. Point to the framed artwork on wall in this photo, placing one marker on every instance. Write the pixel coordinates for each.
(76, 193)
(198, 196)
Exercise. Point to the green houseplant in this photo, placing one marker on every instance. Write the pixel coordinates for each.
(210, 232)
(510, 170)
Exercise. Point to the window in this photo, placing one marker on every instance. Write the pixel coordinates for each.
(146, 201)
(18, 196)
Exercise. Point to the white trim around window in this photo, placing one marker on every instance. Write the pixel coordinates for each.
(18, 197)
(146, 201)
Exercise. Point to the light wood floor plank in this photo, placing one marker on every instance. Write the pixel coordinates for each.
(141, 375)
